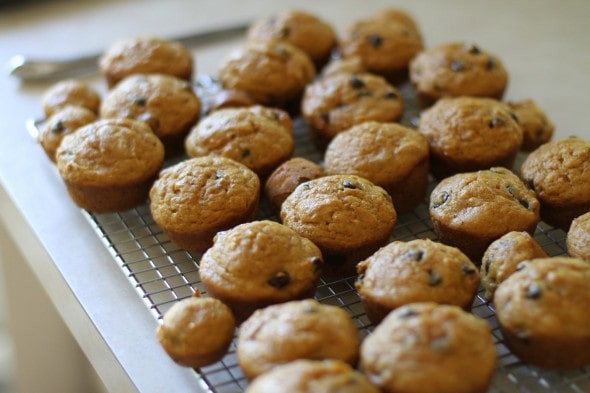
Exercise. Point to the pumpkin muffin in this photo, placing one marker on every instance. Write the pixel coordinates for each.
(260, 263)
(471, 210)
(300, 329)
(427, 348)
(559, 172)
(542, 313)
(388, 154)
(196, 198)
(536, 127)
(109, 165)
(70, 92)
(578, 238)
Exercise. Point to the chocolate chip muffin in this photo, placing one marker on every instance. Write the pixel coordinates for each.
(390, 155)
(303, 376)
(308, 32)
(166, 103)
(260, 263)
(303, 329)
(559, 172)
(69, 92)
(60, 123)
(260, 138)
(467, 134)
(145, 55)
(541, 309)
(196, 198)
(335, 103)
(457, 69)
(416, 271)
(536, 126)
(287, 176)
(109, 165)
(471, 210)
(427, 348)
(503, 256)
(578, 238)
(346, 216)
(272, 73)
(196, 331)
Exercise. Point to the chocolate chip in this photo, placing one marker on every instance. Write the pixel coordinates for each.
(375, 40)
(406, 312)
(520, 266)
(279, 279)
(440, 199)
(457, 66)
(513, 115)
(414, 255)
(533, 291)
(348, 184)
(317, 263)
(524, 203)
(510, 190)
(140, 101)
(58, 127)
(245, 153)
(434, 278)
(474, 49)
(219, 175)
(469, 270)
(391, 95)
(491, 63)
(325, 117)
(496, 121)
(356, 82)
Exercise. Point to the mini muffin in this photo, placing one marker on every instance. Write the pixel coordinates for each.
(346, 216)
(260, 263)
(457, 69)
(303, 329)
(467, 134)
(196, 331)
(503, 256)
(60, 123)
(537, 128)
(196, 198)
(287, 176)
(559, 172)
(390, 155)
(166, 103)
(318, 376)
(386, 43)
(348, 65)
(335, 103)
(109, 165)
(272, 73)
(471, 210)
(70, 92)
(145, 55)
(578, 238)
(416, 271)
(543, 315)
(430, 348)
(308, 32)
(260, 138)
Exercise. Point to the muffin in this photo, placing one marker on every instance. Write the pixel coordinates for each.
(109, 165)
(286, 177)
(260, 263)
(346, 216)
(318, 376)
(272, 73)
(60, 123)
(196, 198)
(541, 310)
(145, 55)
(300, 329)
(559, 172)
(578, 238)
(335, 103)
(428, 347)
(196, 331)
(537, 128)
(390, 155)
(503, 256)
(457, 69)
(308, 32)
(260, 138)
(166, 103)
(471, 210)
(468, 134)
(386, 43)
(69, 92)
(416, 271)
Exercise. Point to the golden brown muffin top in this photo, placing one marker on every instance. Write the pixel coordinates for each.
(537, 128)
(110, 152)
(69, 92)
(490, 202)
(426, 347)
(202, 192)
(578, 237)
(303, 329)
(261, 261)
(339, 212)
(164, 102)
